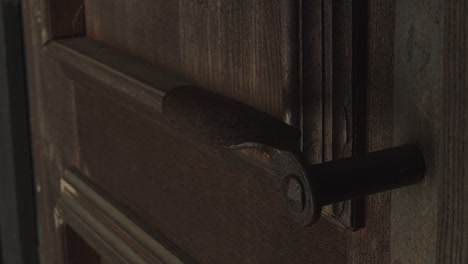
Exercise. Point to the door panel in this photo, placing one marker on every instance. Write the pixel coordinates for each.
(244, 49)
(178, 190)
(94, 225)
(97, 109)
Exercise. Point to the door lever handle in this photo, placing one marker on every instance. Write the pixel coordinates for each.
(220, 121)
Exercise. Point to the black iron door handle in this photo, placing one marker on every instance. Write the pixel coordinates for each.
(220, 121)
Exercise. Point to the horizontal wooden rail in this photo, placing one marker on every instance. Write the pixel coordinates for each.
(126, 74)
(104, 226)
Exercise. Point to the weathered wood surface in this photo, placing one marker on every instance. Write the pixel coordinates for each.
(243, 217)
(189, 194)
(244, 49)
(429, 220)
(452, 221)
(347, 91)
(52, 130)
(98, 156)
(372, 244)
(250, 51)
(327, 87)
(104, 228)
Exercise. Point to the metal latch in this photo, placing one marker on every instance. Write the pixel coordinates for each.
(220, 121)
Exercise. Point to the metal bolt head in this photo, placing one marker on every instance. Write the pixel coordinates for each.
(294, 192)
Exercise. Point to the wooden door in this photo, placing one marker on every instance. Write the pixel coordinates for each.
(115, 184)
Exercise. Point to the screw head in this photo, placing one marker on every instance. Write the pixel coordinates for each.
(294, 192)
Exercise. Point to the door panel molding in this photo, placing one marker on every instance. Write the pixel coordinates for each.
(125, 74)
(94, 67)
(108, 229)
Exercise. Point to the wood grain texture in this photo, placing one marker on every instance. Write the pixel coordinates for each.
(52, 129)
(342, 94)
(327, 88)
(426, 112)
(429, 221)
(335, 80)
(417, 110)
(252, 230)
(107, 229)
(88, 71)
(372, 244)
(352, 104)
(67, 18)
(312, 81)
(244, 49)
(237, 216)
(452, 224)
(127, 75)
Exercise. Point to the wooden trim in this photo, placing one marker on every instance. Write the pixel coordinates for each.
(106, 228)
(418, 88)
(36, 34)
(334, 66)
(372, 243)
(128, 75)
(452, 221)
(17, 202)
(429, 220)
